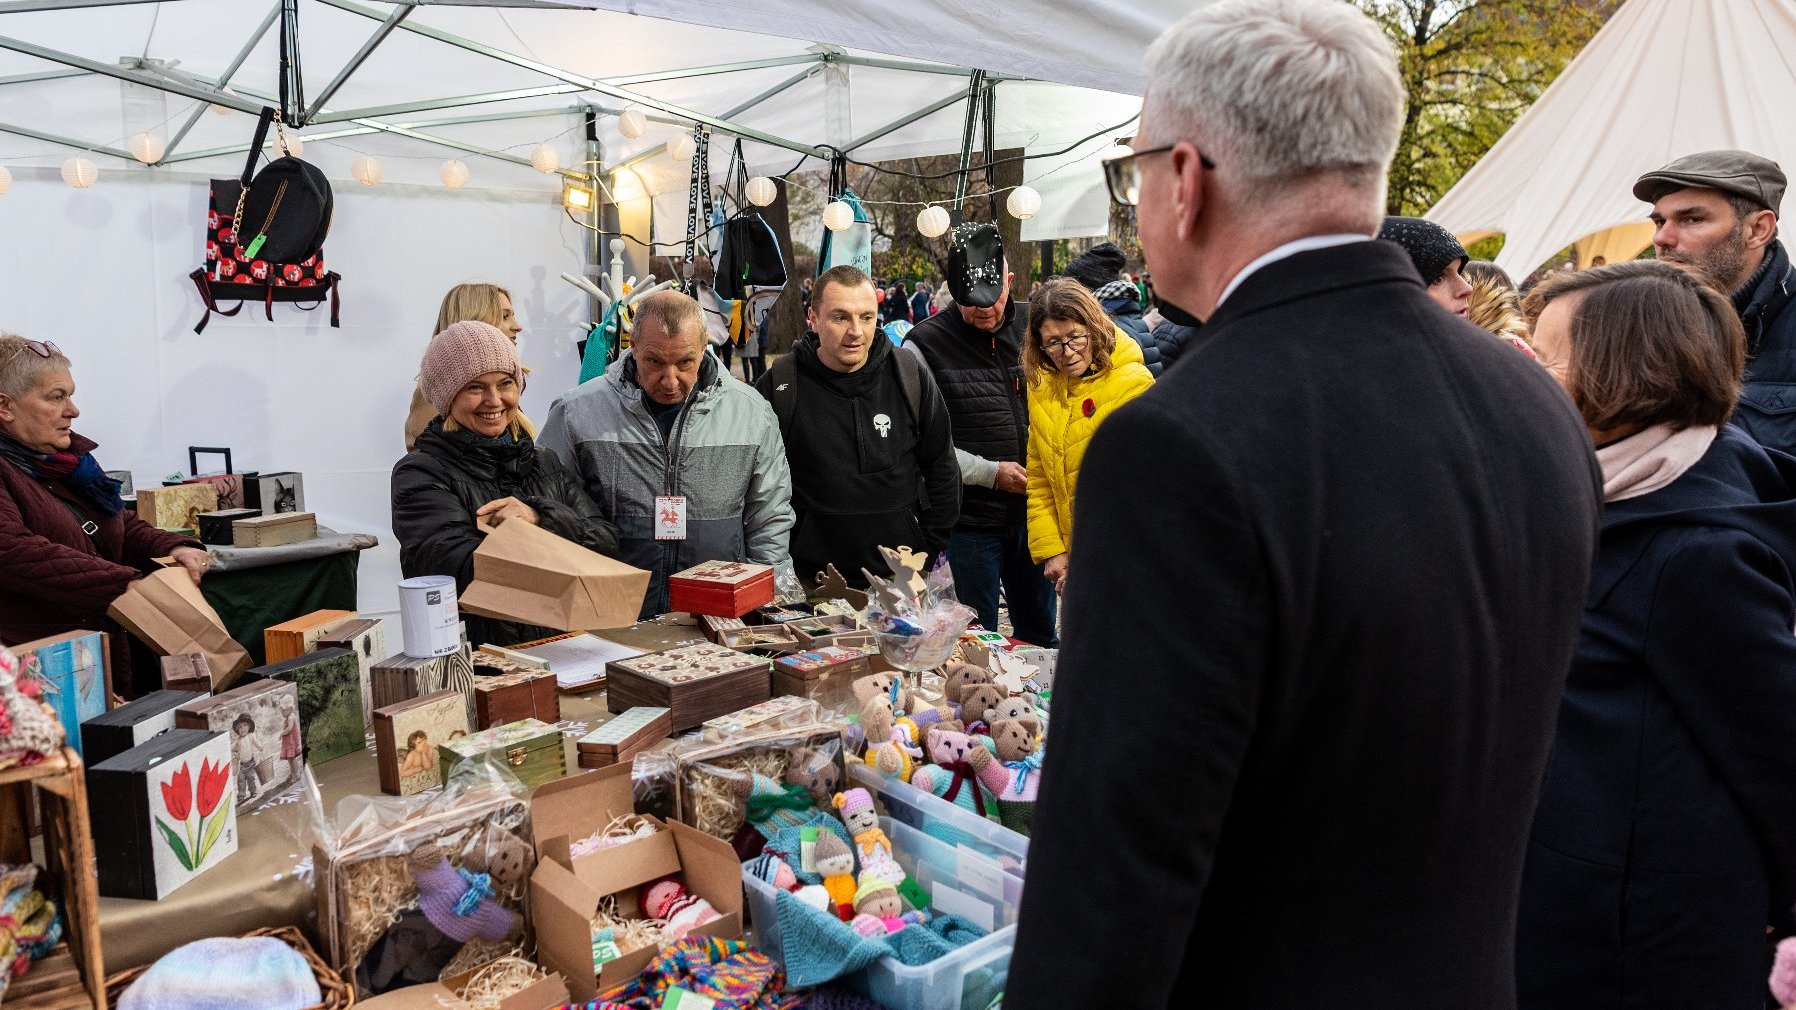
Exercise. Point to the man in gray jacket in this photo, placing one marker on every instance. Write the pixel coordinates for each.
(686, 461)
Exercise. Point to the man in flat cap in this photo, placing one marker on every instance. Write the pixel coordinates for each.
(1715, 213)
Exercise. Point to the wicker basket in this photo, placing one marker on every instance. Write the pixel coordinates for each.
(338, 994)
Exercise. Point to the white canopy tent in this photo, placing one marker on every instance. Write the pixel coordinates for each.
(101, 271)
(1662, 79)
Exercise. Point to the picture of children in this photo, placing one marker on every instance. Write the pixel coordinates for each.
(247, 752)
(292, 749)
(420, 754)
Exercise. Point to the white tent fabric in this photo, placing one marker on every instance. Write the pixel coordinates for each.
(1664, 78)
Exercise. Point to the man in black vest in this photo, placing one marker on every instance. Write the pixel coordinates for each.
(974, 350)
(1328, 587)
(867, 437)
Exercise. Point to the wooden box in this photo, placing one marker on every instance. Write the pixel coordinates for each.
(162, 813)
(715, 628)
(767, 638)
(531, 749)
(274, 530)
(330, 701)
(272, 493)
(624, 737)
(215, 527)
(76, 671)
(228, 487)
(176, 507)
(132, 724)
(261, 720)
(367, 638)
(721, 588)
(696, 682)
(406, 738)
(824, 626)
(824, 672)
(72, 975)
(402, 678)
(186, 671)
(509, 697)
(290, 639)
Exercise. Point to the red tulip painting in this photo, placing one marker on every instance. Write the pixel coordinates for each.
(195, 841)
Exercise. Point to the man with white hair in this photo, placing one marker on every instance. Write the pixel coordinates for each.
(1299, 732)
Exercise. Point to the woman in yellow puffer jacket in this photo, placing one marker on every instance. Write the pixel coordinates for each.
(1080, 368)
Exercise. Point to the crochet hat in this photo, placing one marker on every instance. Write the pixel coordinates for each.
(1740, 173)
(854, 801)
(460, 354)
(830, 846)
(1097, 266)
(1431, 248)
(871, 885)
(976, 265)
(224, 973)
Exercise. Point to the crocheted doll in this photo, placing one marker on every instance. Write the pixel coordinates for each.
(870, 843)
(1014, 773)
(668, 899)
(878, 910)
(457, 902)
(835, 864)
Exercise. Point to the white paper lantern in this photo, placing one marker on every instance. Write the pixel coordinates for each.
(148, 148)
(454, 173)
(79, 172)
(838, 216)
(761, 191)
(291, 144)
(631, 122)
(545, 159)
(1023, 203)
(681, 147)
(366, 170)
(5, 180)
(221, 110)
(932, 221)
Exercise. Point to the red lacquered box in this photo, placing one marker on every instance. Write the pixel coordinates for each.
(722, 588)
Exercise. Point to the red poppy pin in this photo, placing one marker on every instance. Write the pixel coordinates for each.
(1088, 407)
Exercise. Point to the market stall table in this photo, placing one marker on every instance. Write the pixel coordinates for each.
(268, 882)
(255, 587)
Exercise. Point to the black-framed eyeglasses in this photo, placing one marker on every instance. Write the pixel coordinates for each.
(41, 348)
(1123, 175)
(1075, 343)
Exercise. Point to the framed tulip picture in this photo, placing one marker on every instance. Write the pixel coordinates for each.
(163, 813)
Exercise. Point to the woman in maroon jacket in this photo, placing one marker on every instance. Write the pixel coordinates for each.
(68, 548)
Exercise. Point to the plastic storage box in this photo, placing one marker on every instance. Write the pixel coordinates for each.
(940, 819)
(958, 881)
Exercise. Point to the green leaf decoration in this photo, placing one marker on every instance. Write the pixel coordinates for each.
(174, 842)
(209, 835)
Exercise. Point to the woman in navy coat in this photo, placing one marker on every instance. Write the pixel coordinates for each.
(1665, 841)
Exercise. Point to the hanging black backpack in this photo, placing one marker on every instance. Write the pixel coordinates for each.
(286, 208)
(750, 256)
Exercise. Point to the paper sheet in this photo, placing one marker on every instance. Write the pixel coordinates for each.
(579, 659)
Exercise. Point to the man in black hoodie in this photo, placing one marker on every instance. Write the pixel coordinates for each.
(868, 437)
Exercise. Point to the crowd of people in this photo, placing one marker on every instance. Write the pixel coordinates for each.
(1422, 638)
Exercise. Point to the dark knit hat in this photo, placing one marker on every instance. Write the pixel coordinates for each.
(1097, 266)
(1431, 248)
(976, 265)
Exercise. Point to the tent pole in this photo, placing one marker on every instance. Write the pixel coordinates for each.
(361, 56)
(595, 240)
(362, 131)
(899, 124)
(42, 75)
(168, 84)
(23, 6)
(67, 142)
(790, 82)
(230, 70)
(976, 85)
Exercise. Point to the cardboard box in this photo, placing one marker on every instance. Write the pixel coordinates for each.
(216, 528)
(565, 892)
(525, 573)
(721, 588)
(132, 724)
(295, 638)
(274, 530)
(508, 697)
(166, 610)
(76, 672)
(547, 994)
(176, 507)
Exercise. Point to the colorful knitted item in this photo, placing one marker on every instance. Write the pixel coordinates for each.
(684, 911)
(774, 805)
(730, 973)
(457, 903)
(28, 729)
(29, 924)
(224, 973)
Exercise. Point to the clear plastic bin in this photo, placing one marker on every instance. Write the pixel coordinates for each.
(967, 978)
(940, 819)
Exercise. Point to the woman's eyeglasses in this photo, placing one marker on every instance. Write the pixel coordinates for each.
(1058, 347)
(1123, 173)
(41, 348)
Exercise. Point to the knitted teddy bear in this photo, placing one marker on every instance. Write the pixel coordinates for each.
(816, 771)
(949, 751)
(1021, 706)
(962, 676)
(878, 910)
(835, 864)
(1014, 773)
(870, 842)
(668, 899)
(884, 699)
(458, 903)
(979, 703)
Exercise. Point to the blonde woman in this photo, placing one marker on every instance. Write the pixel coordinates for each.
(1080, 368)
(483, 303)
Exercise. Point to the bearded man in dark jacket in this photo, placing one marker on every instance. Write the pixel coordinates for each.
(1715, 213)
(868, 438)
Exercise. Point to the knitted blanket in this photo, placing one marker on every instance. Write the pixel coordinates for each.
(818, 947)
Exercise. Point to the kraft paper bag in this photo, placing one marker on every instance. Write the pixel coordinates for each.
(525, 573)
(166, 610)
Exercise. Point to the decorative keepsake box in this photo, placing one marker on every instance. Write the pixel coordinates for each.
(162, 813)
(367, 638)
(132, 724)
(177, 506)
(299, 636)
(261, 721)
(721, 588)
(696, 682)
(272, 493)
(531, 749)
(330, 701)
(509, 697)
(407, 736)
(274, 530)
(624, 737)
(215, 527)
(76, 672)
(810, 674)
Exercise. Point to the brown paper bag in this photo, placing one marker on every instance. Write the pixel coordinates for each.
(525, 573)
(166, 610)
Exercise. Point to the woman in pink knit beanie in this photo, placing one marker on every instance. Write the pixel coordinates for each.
(476, 465)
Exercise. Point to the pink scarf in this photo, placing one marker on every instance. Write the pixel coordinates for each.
(1651, 458)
